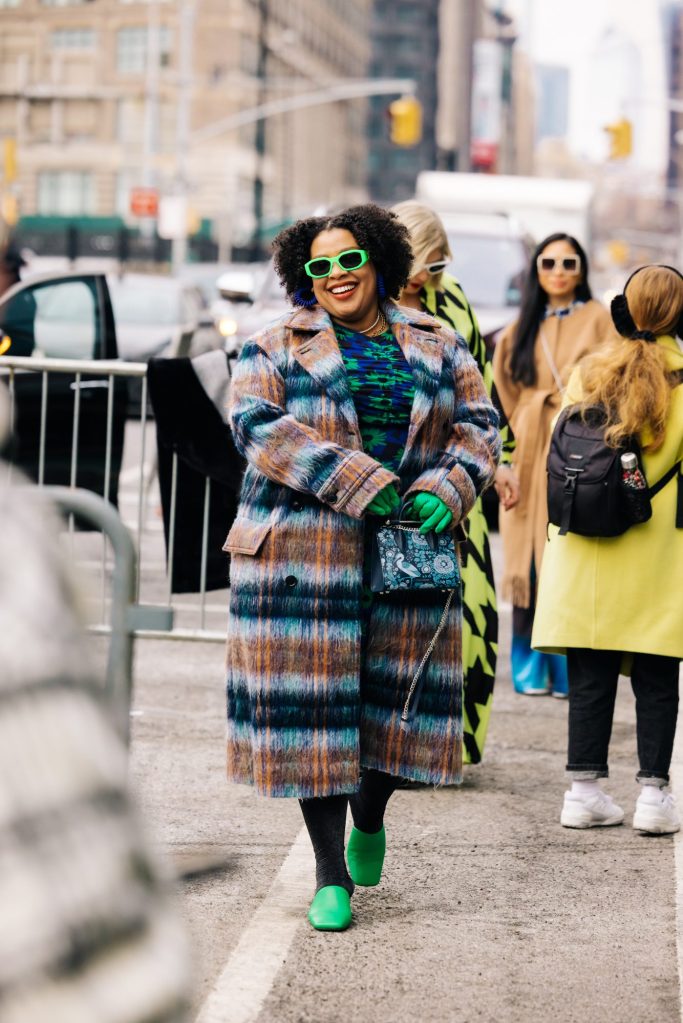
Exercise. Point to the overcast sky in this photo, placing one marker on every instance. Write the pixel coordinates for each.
(604, 87)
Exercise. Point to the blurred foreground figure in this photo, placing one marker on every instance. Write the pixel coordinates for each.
(86, 931)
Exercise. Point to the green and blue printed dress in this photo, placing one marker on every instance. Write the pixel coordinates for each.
(383, 389)
(480, 614)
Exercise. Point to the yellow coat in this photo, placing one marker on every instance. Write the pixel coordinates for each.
(625, 592)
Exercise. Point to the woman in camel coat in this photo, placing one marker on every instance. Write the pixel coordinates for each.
(559, 323)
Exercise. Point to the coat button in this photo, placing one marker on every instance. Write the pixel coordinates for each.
(291, 580)
(297, 505)
(333, 496)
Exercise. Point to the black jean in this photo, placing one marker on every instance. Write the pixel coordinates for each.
(593, 677)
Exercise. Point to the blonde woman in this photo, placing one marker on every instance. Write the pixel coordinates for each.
(614, 605)
(432, 289)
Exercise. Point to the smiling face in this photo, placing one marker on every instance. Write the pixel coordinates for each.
(559, 285)
(349, 296)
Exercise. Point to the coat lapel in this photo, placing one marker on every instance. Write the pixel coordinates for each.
(421, 341)
(317, 351)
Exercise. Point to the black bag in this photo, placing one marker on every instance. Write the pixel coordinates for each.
(586, 494)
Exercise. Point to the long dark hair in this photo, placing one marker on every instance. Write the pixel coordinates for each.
(534, 301)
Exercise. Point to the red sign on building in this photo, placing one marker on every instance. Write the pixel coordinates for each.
(144, 202)
(483, 155)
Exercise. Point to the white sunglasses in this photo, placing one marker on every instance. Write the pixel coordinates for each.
(548, 264)
(437, 267)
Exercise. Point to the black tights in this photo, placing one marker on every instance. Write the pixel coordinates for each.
(325, 819)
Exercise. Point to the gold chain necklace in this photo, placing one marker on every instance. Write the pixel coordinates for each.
(378, 327)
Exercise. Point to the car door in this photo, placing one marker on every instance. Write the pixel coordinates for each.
(64, 317)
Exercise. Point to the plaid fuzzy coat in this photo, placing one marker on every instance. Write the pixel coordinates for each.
(305, 709)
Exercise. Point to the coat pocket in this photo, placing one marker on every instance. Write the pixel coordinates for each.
(247, 536)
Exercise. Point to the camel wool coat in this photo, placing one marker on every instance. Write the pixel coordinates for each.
(307, 709)
(530, 411)
(621, 592)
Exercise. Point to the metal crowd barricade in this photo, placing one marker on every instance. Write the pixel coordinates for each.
(119, 672)
(158, 612)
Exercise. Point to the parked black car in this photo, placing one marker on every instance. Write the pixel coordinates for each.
(64, 316)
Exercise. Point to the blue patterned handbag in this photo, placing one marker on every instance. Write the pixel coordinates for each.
(402, 559)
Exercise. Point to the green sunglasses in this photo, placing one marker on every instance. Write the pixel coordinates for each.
(350, 259)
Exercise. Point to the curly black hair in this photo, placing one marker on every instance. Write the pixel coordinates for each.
(375, 229)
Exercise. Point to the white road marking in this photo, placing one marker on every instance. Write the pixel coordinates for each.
(250, 972)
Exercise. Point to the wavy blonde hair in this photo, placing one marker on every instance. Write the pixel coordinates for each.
(426, 232)
(628, 378)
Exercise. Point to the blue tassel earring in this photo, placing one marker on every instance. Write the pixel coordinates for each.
(304, 298)
(381, 288)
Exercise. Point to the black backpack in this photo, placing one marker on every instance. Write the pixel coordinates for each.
(586, 494)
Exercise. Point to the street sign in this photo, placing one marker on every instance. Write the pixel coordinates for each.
(144, 202)
(483, 154)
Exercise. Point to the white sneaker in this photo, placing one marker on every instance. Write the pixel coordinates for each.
(596, 811)
(657, 818)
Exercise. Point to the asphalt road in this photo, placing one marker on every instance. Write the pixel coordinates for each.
(488, 910)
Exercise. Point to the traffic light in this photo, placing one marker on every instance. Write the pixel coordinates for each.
(9, 160)
(405, 116)
(620, 139)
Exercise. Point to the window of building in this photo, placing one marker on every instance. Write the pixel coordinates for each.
(73, 39)
(40, 120)
(9, 3)
(62, 3)
(66, 193)
(79, 119)
(131, 48)
(131, 123)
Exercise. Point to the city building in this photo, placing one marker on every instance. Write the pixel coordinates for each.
(552, 104)
(405, 44)
(673, 32)
(486, 94)
(100, 100)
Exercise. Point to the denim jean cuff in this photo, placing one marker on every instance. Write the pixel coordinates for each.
(648, 778)
(586, 772)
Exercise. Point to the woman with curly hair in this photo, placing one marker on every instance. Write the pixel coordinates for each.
(343, 409)
(432, 288)
(559, 323)
(614, 605)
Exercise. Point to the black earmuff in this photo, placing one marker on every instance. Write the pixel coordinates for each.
(621, 314)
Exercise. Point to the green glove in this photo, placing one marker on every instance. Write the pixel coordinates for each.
(385, 502)
(434, 512)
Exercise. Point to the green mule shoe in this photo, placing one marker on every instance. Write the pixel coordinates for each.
(365, 856)
(330, 909)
